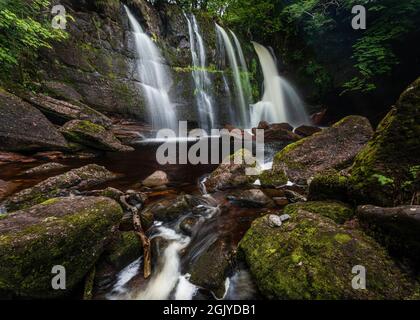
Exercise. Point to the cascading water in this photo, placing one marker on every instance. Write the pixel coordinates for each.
(245, 74)
(243, 103)
(154, 77)
(280, 102)
(200, 75)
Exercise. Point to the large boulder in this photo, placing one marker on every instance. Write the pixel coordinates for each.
(68, 232)
(61, 112)
(61, 185)
(24, 128)
(387, 171)
(332, 148)
(92, 135)
(231, 173)
(396, 228)
(311, 257)
(337, 211)
(157, 179)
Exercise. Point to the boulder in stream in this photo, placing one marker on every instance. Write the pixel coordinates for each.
(93, 135)
(156, 180)
(68, 232)
(334, 147)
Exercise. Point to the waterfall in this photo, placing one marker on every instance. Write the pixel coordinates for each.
(154, 77)
(200, 75)
(245, 74)
(280, 102)
(243, 113)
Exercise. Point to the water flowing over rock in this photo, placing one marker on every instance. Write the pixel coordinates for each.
(200, 75)
(69, 232)
(280, 102)
(154, 77)
(332, 148)
(310, 257)
(242, 114)
(76, 179)
(24, 128)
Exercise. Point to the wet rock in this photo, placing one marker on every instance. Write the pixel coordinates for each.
(126, 223)
(254, 198)
(157, 179)
(264, 125)
(210, 268)
(71, 232)
(24, 128)
(281, 201)
(60, 112)
(294, 196)
(58, 155)
(92, 135)
(386, 172)
(187, 225)
(168, 209)
(45, 168)
(279, 133)
(306, 131)
(337, 211)
(231, 175)
(284, 217)
(62, 91)
(396, 228)
(310, 257)
(61, 185)
(109, 192)
(333, 147)
(158, 246)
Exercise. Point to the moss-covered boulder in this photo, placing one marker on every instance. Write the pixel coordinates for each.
(232, 172)
(337, 211)
(332, 148)
(70, 232)
(92, 135)
(387, 170)
(329, 185)
(398, 229)
(61, 185)
(311, 257)
(25, 128)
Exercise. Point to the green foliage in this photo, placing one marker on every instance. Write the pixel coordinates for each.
(25, 27)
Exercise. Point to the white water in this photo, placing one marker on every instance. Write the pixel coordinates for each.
(280, 102)
(245, 81)
(243, 112)
(163, 282)
(200, 75)
(154, 76)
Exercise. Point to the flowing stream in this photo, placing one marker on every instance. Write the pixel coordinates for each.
(154, 76)
(280, 102)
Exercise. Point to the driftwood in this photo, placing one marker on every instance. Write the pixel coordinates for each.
(147, 260)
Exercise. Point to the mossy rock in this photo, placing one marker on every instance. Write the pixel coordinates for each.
(311, 257)
(329, 185)
(124, 249)
(387, 172)
(332, 148)
(337, 211)
(71, 232)
(92, 135)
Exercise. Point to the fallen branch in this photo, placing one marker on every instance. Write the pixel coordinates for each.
(147, 260)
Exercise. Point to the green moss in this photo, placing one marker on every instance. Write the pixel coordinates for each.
(74, 241)
(271, 178)
(310, 257)
(337, 211)
(125, 249)
(329, 185)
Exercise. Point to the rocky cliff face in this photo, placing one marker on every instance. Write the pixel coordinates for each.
(96, 65)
